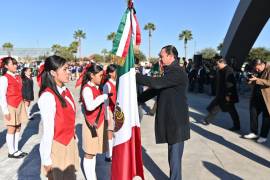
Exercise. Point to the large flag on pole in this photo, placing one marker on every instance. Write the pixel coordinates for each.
(127, 152)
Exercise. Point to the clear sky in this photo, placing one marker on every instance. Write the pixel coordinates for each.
(41, 23)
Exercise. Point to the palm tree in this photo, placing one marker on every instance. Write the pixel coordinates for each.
(149, 27)
(104, 52)
(111, 36)
(79, 35)
(8, 47)
(185, 35)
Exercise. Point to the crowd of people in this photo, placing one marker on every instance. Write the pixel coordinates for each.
(165, 81)
(225, 84)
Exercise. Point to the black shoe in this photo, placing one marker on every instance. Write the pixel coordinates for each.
(205, 122)
(234, 128)
(15, 156)
(24, 154)
(108, 159)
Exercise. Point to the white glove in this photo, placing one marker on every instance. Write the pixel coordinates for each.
(105, 97)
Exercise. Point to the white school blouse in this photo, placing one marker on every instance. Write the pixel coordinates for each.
(47, 106)
(3, 92)
(91, 103)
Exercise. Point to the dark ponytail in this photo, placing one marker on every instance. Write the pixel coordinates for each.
(23, 76)
(52, 63)
(110, 69)
(5, 61)
(94, 68)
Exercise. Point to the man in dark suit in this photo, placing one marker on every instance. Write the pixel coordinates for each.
(226, 95)
(172, 120)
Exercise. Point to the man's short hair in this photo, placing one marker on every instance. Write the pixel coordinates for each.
(257, 62)
(171, 50)
(220, 59)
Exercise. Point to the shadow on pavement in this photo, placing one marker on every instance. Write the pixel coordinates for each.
(219, 139)
(219, 172)
(32, 126)
(3, 137)
(152, 167)
(30, 168)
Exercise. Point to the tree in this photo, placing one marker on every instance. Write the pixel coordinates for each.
(104, 52)
(79, 35)
(139, 55)
(111, 36)
(63, 51)
(208, 53)
(55, 48)
(8, 47)
(185, 35)
(149, 27)
(73, 47)
(259, 53)
(220, 46)
(98, 58)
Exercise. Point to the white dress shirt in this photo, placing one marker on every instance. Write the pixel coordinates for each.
(3, 92)
(106, 90)
(91, 103)
(47, 106)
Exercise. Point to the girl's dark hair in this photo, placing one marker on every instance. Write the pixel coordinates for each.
(23, 76)
(94, 68)
(5, 61)
(110, 69)
(52, 63)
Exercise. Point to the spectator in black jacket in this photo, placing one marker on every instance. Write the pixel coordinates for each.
(27, 89)
(226, 95)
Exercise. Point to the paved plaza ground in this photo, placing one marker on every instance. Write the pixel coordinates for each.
(213, 152)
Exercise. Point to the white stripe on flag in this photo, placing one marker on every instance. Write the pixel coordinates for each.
(127, 99)
(124, 37)
(134, 28)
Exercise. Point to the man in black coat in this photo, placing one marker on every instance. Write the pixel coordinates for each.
(226, 95)
(172, 119)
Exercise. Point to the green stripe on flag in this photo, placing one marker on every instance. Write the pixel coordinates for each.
(129, 61)
(119, 33)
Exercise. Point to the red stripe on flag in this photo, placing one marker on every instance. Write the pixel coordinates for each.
(127, 158)
(125, 51)
(138, 31)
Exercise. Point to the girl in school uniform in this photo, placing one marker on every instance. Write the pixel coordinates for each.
(110, 88)
(12, 105)
(58, 146)
(93, 134)
(27, 87)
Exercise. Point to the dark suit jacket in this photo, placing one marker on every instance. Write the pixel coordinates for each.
(27, 89)
(225, 86)
(172, 119)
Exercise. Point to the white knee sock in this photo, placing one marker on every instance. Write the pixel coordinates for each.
(10, 143)
(16, 141)
(109, 152)
(89, 166)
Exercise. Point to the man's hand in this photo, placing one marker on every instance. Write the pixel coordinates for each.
(7, 117)
(227, 98)
(253, 78)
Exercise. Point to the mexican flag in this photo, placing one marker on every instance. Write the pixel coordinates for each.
(127, 151)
